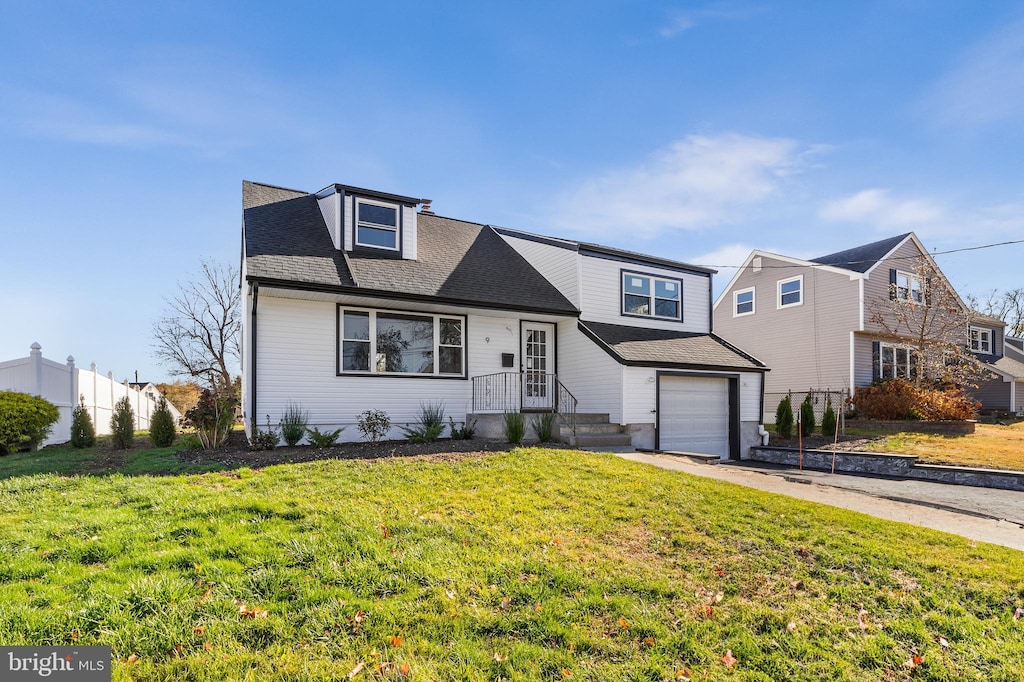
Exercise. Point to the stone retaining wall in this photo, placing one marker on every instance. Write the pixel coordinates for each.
(904, 466)
(913, 425)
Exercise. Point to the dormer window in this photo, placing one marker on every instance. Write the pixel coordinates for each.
(376, 225)
(981, 340)
(646, 296)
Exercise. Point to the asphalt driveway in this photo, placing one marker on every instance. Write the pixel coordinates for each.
(984, 514)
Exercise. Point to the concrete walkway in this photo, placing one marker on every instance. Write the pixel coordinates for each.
(983, 514)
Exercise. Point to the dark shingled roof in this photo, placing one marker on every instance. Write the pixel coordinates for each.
(861, 258)
(287, 241)
(665, 348)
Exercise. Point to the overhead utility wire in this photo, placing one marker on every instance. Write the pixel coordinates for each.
(840, 264)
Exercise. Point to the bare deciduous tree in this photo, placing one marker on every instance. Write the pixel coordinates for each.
(925, 313)
(199, 333)
(1007, 306)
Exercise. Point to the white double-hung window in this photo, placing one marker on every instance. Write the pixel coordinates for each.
(743, 302)
(791, 291)
(981, 340)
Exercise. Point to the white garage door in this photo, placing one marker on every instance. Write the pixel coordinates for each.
(694, 415)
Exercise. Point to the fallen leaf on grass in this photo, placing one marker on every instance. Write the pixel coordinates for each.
(623, 623)
(648, 641)
(942, 641)
(537, 607)
(683, 675)
(207, 645)
(913, 661)
(718, 598)
(729, 659)
(132, 660)
(790, 626)
(206, 595)
(405, 669)
(720, 572)
(862, 622)
(566, 672)
(384, 529)
(505, 603)
(356, 670)
(396, 641)
(198, 630)
(450, 594)
(499, 658)
(246, 612)
(797, 584)
(1018, 613)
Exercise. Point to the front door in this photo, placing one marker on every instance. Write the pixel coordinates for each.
(538, 354)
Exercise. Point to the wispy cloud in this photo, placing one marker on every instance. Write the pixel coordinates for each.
(985, 86)
(694, 183)
(878, 207)
(680, 21)
(726, 258)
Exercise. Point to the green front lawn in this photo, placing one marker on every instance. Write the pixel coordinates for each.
(535, 564)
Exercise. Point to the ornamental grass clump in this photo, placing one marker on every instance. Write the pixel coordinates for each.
(430, 425)
(514, 426)
(544, 427)
(293, 424)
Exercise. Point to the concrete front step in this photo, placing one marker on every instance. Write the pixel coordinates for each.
(592, 418)
(606, 440)
(597, 429)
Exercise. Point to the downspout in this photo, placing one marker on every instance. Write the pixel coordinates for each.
(252, 352)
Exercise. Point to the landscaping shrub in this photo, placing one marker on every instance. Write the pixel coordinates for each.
(784, 418)
(903, 399)
(83, 433)
(264, 440)
(828, 420)
(374, 425)
(464, 432)
(25, 421)
(293, 424)
(161, 425)
(323, 439)
(212, 418)
(514, 427)
(544, 427)
(430, 425)
(807, 421)
(122, 424)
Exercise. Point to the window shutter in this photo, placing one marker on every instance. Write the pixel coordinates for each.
(892, 285)
(876, 360)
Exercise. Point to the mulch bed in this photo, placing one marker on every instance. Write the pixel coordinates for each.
(819, 442)
(238, 453)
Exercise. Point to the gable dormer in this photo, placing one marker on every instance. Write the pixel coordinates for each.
(362, 221)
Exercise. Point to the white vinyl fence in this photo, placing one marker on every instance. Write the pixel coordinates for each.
(65, 385)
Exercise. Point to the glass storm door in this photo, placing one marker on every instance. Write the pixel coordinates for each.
(538, 354)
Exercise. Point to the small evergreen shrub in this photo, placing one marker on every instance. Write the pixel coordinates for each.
(293, 424)
(25, 421)
(544, 427)
(828, 420)
(264, 440)
(374, 425)
(161, 425)
(464, 432)
(784, 418)
(323, 439)
(430, 425)
(212, 418)
(122, 424)
(903, 399)
(807, 420)
(514, 427)
(83, 433)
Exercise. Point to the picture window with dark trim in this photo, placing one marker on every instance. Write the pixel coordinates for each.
(649, 296)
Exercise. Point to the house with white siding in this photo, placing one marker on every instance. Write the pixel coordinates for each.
(364, 300)
(827, 323)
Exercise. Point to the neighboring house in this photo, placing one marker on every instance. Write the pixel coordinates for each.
(65, 386)
(355, 301)
(816, 322)
(1003, 389)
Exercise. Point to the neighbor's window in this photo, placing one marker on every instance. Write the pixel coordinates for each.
(908, 287)
(402, 343)
(376, 224)
(791, 291)
(652, 296)
(981, 340)
(898, 362)
(743, 302)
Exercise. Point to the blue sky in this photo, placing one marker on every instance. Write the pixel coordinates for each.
(693, 130)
